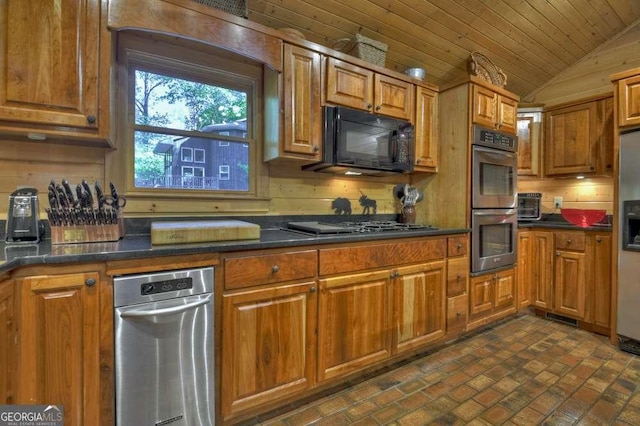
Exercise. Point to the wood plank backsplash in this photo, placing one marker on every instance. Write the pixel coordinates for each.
(589, 193)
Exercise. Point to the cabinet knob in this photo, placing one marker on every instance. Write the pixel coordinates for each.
(90, 282)
(378, 107)
(558, 254)
(458, 314)
(312, 290)
(395, 274)
(91, 119)
(458, 277)
(459, 246)
(592, 168)
(598, 239)
(316, 148)
(369, 106)
(275, 268)
(569, 240)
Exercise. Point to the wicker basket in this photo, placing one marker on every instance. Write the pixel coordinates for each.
(235, 7)
(367, 49)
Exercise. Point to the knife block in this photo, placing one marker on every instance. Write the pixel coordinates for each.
(74, 234)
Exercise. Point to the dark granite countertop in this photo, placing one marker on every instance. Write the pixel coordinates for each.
(137, 243)
(556, 221)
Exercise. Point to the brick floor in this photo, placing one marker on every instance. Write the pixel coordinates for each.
(527, 371)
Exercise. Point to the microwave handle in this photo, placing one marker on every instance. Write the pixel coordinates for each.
(393, 146)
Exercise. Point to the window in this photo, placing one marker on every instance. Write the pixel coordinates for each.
(183, 102)
(187, 154)
(223, 172)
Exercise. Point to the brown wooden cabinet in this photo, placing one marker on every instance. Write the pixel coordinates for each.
(524, 269)
(360, 88)
(491, 297)
(457, 284)
(627, 93)
(268, 345)
(426, 130)
(7, 343)
(418, 305)
(54, 69)
(578, 138)
(529, 141)
(301, 106)
(59, 348)
(569, 282)
(355, 317)
(570, 274)
(493, 110)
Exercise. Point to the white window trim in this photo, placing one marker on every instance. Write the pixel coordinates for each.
(224, 170)
(195, 157)
(183, 154)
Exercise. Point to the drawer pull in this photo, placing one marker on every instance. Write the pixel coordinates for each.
(275, 269)
(90, 282)
(312, 290)
(459, 246)
(395, 274)
(568, 240)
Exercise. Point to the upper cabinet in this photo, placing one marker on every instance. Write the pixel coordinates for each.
(627, 92)
(54, 69)
(494, 110)
(300, 114)
(426, 131)
(360, 88)
(529, 141)
(579, 138)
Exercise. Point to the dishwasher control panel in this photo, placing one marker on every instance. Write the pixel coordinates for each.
(166, 286)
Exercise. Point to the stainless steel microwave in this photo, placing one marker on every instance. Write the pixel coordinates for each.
(359, 142)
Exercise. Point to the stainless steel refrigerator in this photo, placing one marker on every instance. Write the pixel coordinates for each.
(629, 237)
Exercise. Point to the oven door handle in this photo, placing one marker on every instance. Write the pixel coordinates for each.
(166, 311)
(509, 212)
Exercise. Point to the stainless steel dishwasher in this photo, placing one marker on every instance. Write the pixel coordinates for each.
(164, 348)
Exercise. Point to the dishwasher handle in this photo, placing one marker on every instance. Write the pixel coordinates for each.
(165, 311)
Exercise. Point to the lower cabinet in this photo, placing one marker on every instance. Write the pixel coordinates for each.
(491, 297)
(355, 313)
(7, 345)
(59, 350)
(268, 341)
(571, 275)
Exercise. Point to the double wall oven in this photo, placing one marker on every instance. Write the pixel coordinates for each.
(493, 200)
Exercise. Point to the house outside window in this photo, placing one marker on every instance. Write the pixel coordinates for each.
(198, 155)
(186, 154)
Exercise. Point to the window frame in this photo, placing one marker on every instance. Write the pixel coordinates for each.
(194, 61)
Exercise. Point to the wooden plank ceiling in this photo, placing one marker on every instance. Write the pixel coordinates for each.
(530, 40)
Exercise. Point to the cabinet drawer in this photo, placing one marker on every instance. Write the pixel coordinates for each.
(570, 241)
(358, 258)
(457, 312)
(269, 268)
(457, 246)
(457, 276)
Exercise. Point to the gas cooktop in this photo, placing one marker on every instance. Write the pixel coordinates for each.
(356, 227)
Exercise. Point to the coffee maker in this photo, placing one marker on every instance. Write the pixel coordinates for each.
(22, 216)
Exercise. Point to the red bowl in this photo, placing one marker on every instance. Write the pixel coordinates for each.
(583, 217)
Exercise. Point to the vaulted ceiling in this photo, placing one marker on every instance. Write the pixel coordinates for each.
(532, 41)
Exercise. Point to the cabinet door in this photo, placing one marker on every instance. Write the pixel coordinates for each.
(393, 97)
(505, 290)
(570, 284)
(599, 284)
(525, 272)
(426, 131)
(419, 305)
(529, 133)
(349, 85)
(481, 295)
(7, 344)
(268, 345)
(484, 107)
(50, 65)
(570, 140)
(542, 269)
(302, 104)
(507, 114)
(60, 345)
(629, 101)
(354, 313)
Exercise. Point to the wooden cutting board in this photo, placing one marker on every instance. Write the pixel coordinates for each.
(202, 231)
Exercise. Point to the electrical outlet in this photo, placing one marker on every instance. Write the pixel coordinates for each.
(557, 202)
